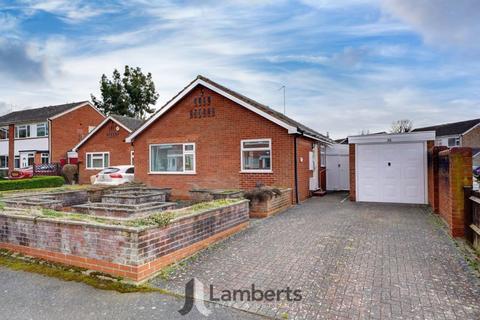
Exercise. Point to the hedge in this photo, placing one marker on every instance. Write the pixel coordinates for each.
(36, 182)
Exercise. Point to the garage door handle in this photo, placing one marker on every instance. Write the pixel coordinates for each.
(339, 165)
(389, 164)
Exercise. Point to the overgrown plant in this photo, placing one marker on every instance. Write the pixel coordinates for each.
(261, 194)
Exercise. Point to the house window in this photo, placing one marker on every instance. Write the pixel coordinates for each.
(256, 155)
(3, 133)
(323, 156)
(453, 142)
(16, 162)
(98, 160)
(42, 130)
(44, 157)
(172, 158)
(22, 131)
(132, 157)
(3, 162)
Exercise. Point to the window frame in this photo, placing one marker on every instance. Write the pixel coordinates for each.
(7, 131)
(44, 155)
(27, 131)
(45, 125)
(103, 153)
(184, 152)
(15, 158)
(242, 170)
(323, 156)
(6, 161)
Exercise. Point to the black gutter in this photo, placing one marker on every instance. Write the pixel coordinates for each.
(295, 155)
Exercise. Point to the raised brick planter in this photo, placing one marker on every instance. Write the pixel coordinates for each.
(133, 253)
(272, 206)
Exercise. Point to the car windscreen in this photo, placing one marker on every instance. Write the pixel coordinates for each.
(130, 170)
(109, 170)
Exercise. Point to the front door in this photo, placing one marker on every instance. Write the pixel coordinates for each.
(26, 159)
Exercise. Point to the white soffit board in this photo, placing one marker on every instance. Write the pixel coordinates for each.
(392, 138)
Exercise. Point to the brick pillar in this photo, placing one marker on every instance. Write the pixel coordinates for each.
(433, 176)
(11, 147)
(460, 176)
(351, 160)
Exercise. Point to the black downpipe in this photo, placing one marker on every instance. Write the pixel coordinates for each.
(295, 168)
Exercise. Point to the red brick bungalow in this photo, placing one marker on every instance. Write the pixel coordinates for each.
(209, 136)
(105, 146)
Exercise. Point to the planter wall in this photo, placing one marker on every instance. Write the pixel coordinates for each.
(272, 206)
(132, 253)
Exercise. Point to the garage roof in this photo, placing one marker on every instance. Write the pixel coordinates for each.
(392, 137)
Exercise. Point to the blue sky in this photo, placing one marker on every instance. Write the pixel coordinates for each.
(347, 65)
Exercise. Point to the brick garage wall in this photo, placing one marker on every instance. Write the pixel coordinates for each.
(351, 163)
(67, 130)
(433, 176)
(455, 172)
(472, 138)
(304, 147)
(121, 251)
(217, 141)
(106, 139)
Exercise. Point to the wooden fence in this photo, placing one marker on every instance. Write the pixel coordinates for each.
(472, 217)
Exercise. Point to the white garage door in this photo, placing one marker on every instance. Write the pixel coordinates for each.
(391, 172)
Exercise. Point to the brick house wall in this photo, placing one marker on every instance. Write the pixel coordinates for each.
(217, 140)
(106, 139)
(67, 130)
(472, 138)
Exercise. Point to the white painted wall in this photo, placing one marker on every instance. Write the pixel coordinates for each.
(31, 144)
(3, 147)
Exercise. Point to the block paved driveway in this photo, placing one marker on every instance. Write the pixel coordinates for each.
(351, 261)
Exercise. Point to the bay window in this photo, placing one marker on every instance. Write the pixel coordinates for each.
(98, 160)
(256, 155)
(172, 158)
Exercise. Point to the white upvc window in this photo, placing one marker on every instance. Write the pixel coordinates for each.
(172, 158)
(453, 142)
(97, 160)
(3, 133)
(132, 157)
(16, 162)
(22, 131)
(42, 129)
(256, 155)
(4, 162)
(44, 157)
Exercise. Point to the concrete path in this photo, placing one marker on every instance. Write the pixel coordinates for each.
(350, 261)
(29, 296)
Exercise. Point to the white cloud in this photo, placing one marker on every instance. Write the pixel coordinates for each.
(443, 23)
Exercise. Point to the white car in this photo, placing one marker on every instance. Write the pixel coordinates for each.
(115, 175)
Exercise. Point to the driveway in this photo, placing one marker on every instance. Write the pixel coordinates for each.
(350, 261)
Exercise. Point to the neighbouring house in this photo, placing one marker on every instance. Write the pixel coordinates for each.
(44, 135)
(208, 136)
(105, 146)
(456, 134)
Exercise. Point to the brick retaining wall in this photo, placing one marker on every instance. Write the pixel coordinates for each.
(272, 206)
(133, 253)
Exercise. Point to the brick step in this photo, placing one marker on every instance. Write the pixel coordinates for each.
(319, 193)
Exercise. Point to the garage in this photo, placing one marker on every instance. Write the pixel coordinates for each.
(390, 167)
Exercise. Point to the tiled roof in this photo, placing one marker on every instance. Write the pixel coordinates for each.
(131, 123)
(37, 114)
(454, 128)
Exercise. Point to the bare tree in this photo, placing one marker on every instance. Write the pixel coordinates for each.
(402, 126)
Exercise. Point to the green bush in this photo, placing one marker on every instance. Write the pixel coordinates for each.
(36, 182)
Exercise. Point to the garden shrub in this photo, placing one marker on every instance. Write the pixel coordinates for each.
(69, 172)
(33, 183)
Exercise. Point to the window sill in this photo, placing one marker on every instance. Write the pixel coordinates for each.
(256, 171)
(28, 138)
(95, 169)
(173, 173)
